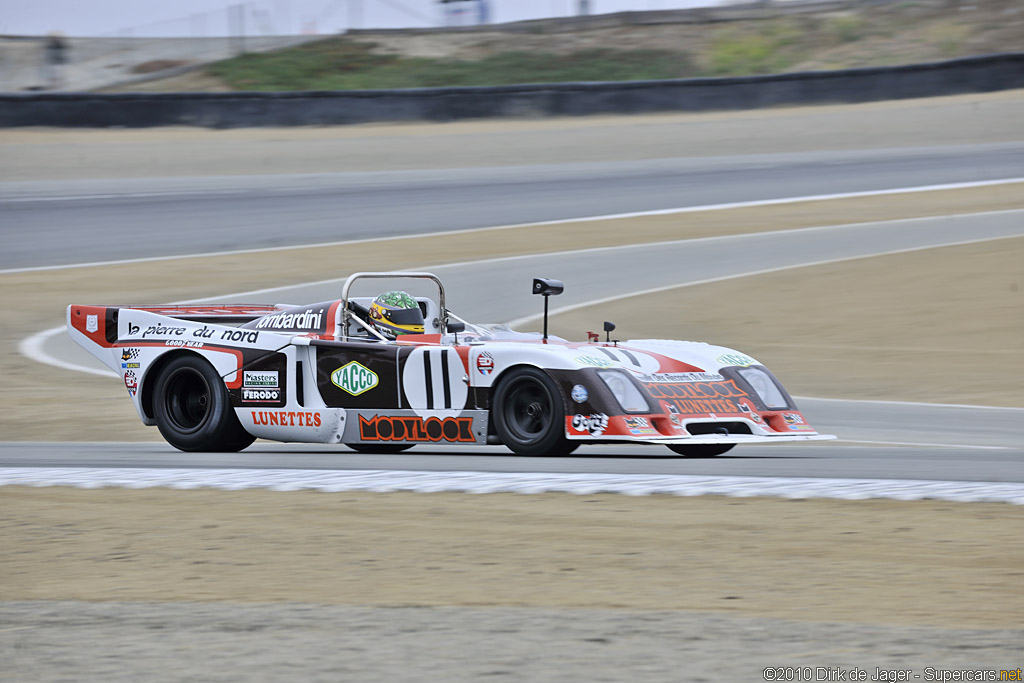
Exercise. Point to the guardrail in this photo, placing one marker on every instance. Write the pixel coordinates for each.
(984, 73)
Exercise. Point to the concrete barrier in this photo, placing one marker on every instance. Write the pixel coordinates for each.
(984, 73)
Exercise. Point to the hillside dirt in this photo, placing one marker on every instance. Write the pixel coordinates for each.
(870, 34)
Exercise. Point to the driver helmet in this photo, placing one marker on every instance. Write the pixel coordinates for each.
(395, 313)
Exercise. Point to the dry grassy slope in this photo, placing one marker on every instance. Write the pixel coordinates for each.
(873, 35)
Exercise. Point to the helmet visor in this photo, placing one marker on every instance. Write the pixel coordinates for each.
(404, 316)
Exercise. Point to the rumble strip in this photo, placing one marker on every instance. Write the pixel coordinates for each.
(513, 482)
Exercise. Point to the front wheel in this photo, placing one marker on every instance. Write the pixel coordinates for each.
(193, 411)
(700, 450)
(529, 415)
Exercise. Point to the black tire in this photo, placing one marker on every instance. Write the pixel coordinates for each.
(379, 448)
(529, 414)
(700, 450)
(192, 408)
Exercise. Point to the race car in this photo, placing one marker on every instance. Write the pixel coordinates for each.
(385, 373)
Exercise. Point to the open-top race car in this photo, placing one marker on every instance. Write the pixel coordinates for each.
(382, 374)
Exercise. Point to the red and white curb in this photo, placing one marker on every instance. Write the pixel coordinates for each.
(514, 482)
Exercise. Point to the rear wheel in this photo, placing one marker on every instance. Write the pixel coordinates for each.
(192, 408)
(529, 415)
(700, 450)
(379, 448)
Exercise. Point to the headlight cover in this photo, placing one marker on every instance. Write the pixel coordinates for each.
(762, 383)
(625, 391)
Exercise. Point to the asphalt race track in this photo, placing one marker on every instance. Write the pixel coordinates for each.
(65, 222)
(878, 439)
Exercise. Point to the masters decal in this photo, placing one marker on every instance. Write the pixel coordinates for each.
(355, 378)
(260, 378)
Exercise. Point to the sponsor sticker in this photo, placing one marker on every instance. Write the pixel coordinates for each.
(260, 378)
(591, 424)
(580, 393)
(593, 362)
(485, 363)
(129, 354)
(92, 323)
(130, 365)
(355, 378)
(305, 320)
(793, 418)
(735, 359)
(699, 397)
(131, 382)
(261, 395)
(285, 418)
(680, 377)
(414, 428)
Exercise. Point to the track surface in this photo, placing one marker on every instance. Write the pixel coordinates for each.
(65, 222)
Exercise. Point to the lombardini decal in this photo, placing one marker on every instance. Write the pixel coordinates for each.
(432, 429)
(355, 378)
(306, 320)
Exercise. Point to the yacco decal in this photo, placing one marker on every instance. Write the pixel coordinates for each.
(285, 418)
(699, 397)
(432, 429)
(355, 378)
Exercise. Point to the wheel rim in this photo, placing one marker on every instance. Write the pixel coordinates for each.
(187, 400)
(528, 411)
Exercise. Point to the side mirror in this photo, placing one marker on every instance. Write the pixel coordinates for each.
(455, 326)
(608, 328)
(547, 287)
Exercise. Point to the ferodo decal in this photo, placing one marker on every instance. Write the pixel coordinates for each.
(434, 382)
(591, 424)
(285, 418)
(417, 429)
(355, 378)
(699, 397)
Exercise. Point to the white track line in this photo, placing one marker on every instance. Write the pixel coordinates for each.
(605, 217)
(526, 319)
(515, 482)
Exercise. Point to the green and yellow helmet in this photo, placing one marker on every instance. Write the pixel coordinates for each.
(395, 313)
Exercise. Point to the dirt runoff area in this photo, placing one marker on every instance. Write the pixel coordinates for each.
(462, 587)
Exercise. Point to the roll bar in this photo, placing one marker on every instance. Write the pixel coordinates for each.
(344, 314)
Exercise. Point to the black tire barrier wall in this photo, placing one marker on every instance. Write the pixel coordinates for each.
(984, 73)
